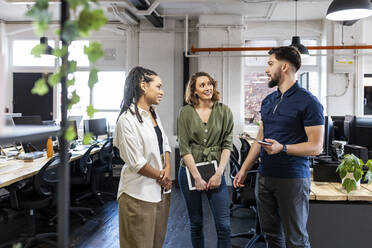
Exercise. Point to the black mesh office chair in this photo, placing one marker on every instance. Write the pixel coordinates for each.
(39, 196)
(102, 166)
(82, 173)
(246, 196)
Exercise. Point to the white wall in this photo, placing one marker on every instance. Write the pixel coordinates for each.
(161, 51)
(224, 31)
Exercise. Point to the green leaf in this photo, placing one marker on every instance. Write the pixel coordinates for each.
(98, 19)
(54, 79)
(70, 31)
(39, 12)
(40, 88)
(349, 185)
(75, 3)
(93, 77)
(342, 173)
(38, 50)
(87, 138)
(358, 174)
(40, 27)
(85, 22)
(91, 111)
(70, 133)
(70, 82)
(368, 177)
(72, 66)
(60, 52)
(94, 51)
(75, 98)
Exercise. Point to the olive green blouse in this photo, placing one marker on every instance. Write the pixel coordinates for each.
(205, 141)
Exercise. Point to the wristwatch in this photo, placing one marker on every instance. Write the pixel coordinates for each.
(284, 149)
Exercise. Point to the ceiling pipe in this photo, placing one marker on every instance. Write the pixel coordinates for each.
(239, 49)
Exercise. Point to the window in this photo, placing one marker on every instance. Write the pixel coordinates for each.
(106, 96)
(367, 103)
(255, 78)
(76, 52)
(255, 90)
(22, 54)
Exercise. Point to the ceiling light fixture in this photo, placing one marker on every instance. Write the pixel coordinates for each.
(48, 49)
(345, 10)
(296, 41)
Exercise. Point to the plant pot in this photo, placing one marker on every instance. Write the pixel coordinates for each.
(351, 176)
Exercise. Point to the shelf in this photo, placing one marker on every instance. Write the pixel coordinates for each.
(27, 133)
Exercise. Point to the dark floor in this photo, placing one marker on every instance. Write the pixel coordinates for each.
(101, 230)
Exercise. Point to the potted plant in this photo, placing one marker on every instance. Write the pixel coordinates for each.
(351, 172)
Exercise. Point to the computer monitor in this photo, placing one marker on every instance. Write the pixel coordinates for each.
(338, 127)
(349, 123)
(76, 118)
(328, 135)
(363, 132)
(74, 126)
(29, 146)
(95, 126)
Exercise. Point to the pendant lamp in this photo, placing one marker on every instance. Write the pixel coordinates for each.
(345, 10)
(296, 41)
(48, 49)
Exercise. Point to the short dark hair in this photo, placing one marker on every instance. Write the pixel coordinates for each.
(287, 53)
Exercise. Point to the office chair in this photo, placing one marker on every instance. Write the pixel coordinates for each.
(101, 166)
(77, 211)
(38, 197)
(244, 149)
(83, 174)
(246, 197)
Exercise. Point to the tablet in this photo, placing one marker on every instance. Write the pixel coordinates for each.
(206, 170)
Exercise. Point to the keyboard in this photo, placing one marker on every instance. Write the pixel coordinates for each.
(31, 155)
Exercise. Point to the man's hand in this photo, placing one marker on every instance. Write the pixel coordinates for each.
(214, 182)
(274, 148)
(239, 179)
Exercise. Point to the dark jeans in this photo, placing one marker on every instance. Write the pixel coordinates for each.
(219, 204)
(283, 209)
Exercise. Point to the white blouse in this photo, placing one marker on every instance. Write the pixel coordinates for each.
(138, 145)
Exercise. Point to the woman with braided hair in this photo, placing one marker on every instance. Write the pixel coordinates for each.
(145, 178)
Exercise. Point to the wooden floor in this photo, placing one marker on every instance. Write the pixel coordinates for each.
(101, 229)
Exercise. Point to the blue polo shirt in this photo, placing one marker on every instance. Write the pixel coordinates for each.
(284, 119)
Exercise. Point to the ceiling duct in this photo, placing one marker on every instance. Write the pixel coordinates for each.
(148, 11)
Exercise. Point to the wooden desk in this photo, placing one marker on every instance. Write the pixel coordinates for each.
(335, 192)
(16, 170)
(338, 219)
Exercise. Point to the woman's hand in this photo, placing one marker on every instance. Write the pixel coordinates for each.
(164, 179)
(200, 184)
(214, 181)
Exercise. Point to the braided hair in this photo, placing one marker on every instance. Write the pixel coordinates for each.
(133, 91)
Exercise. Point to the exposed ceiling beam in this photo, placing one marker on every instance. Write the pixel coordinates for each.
(154, 18)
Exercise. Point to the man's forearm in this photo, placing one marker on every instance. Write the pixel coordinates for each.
(305, 149)
(253, 155)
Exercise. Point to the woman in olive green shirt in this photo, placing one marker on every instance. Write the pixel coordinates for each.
(204, 129)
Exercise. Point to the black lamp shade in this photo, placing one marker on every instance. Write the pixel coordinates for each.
(296, 42)
(48, 49)
(345, 10)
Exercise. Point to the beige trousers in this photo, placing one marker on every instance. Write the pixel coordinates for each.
(142, 224)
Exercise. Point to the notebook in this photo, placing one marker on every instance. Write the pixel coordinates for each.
(206, 170)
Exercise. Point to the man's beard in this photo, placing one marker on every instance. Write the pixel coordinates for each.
(273, 82)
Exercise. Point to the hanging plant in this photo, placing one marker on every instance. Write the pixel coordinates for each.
(85, 19)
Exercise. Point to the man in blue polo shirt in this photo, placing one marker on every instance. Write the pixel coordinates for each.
(292, 124)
